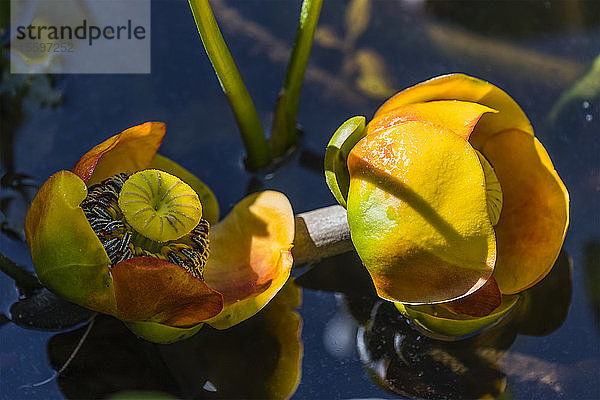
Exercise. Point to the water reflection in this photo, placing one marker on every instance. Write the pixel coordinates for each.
(533, 17)
(259, 358)
(403, 360)
(592, 279)
(17, 189)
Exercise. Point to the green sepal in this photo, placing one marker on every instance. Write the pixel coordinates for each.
(493, 190)
(444, 324)
(336, 156)
(159, 333)
(68, 257)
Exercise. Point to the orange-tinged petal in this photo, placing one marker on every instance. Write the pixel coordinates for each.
(458, 116)
(129, 151)
(466, 88)
(210, 206)
(153, 290)
(418, 215)
(535, 213)
(67, 255)
(250, 255)
(478, 304)
(241, 310)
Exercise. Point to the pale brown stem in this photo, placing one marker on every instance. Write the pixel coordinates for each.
(321, 233)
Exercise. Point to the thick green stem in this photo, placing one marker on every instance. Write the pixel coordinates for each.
(21, 276)
(257, 147)
(283, 134)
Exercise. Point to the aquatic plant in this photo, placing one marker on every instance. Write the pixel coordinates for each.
(451, 200)
(283, 134)
(126, 233)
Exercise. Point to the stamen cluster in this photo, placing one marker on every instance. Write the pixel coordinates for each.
(122, 242)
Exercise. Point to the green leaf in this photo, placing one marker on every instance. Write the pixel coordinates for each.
(46, 311)
(336, 155)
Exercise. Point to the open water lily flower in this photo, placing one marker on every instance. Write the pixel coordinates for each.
(126, 233)
(449, 196)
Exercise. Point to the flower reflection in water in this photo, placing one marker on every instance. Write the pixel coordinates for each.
(259, 358)
(403, 359)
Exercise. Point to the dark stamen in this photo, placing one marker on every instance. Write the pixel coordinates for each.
(122, 242)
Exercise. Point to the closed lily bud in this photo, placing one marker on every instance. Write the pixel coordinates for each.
(451, 199)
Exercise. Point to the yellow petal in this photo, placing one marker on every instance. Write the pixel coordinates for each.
(418, 215)
(458, 116)
(67, 255)
(250, 256)
(535, 213)
(129, 151)
(259, 359)
(286, 325)
(466, 88)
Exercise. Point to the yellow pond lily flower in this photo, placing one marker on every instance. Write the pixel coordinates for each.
(126, 233)
(448, 192)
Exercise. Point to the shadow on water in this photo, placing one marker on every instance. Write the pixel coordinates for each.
(592, 279)
(534, 17)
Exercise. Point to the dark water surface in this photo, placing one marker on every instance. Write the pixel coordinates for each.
(534, 50)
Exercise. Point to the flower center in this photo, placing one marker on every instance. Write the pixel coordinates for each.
(493, 190)
(160, 206)
(163, 221)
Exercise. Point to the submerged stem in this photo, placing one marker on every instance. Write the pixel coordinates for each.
(57, 373)
(21, 276)
(257, 147)
(283, 134)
